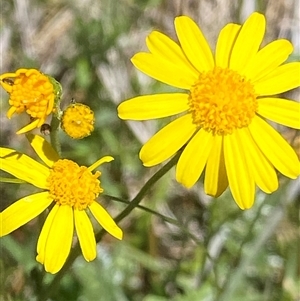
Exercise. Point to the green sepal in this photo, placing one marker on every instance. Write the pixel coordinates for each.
(57, 92)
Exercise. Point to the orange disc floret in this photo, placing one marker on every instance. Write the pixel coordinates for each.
(73, 185)
(221, 101)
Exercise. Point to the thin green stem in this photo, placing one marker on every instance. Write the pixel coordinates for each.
(137, 199)
(237, 263)
(52, 287)
(165, 218)
(54, 134)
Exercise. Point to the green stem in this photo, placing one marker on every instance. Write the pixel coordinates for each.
(165, 218)
(147, 186)
(237, 263)
(55, 122)
(52, 287)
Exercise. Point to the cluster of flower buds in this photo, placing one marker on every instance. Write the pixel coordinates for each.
(38, 95)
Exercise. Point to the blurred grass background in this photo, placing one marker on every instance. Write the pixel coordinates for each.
(196, 247)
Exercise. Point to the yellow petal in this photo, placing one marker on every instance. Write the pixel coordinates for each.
(240, 179)
(5, 85)
(59, 241)
(194, 44)
(23, 167)
(85, 234)
(225, 43)
(105, 220)
(247, 42)
(41, 121)
(41, 244)
(162, 46)
(267, 59)
(43, 149)
(165, 143)
(193, 159)
(10, 112)
(282, 111)
(105, 159)
(153, 106)
(216, 180)
(163, 70)
(50, 105)
(27, 72)
(275, 148)
(8, 75)
(23, 211)
(28, 127)
(282, 79)
(262, 170)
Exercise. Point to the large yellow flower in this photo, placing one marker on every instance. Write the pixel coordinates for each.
(32, 92)
(222, 114)
(71, 188)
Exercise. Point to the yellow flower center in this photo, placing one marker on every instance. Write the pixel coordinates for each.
(222, 100)
(73, 185)
(31, 91)
(78, 121)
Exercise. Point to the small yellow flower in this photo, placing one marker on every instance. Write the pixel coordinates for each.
(32, 92)
(222, 123)
(71, 188)
(78, 121)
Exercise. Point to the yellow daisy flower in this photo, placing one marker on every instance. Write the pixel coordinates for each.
(32, 92)
(72, 189)
(222, 114)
